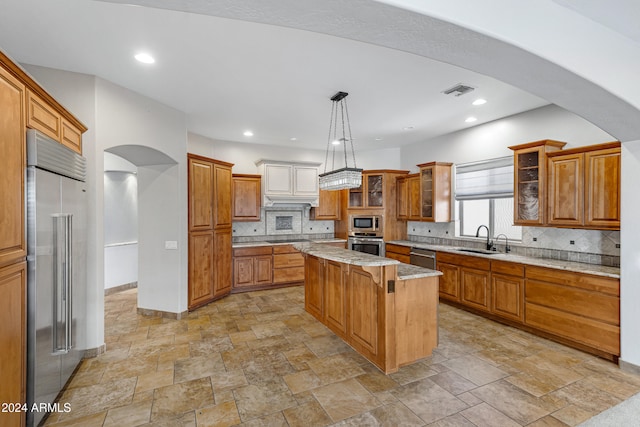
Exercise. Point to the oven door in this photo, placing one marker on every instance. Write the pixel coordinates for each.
(369, 245)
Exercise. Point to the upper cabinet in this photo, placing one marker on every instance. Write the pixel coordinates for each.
(378, 190)
(584, 187)
(408, 197)
(246, 197)
(287, 182)
(435, 191)
(329, 206)
(530, 174)
(43, 117)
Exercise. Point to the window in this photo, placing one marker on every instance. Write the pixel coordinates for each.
(484, 196)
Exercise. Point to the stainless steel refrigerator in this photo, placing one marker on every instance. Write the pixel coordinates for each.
(56, 268)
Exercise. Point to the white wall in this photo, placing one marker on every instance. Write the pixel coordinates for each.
(127, 118)
(490, 140)
(244, 156)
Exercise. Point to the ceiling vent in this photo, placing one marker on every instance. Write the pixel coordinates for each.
(458, 90)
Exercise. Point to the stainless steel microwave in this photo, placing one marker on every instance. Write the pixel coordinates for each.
(365, 225)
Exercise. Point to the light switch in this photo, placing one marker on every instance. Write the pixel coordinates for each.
(171, 244)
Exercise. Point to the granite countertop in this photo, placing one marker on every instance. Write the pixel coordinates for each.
(579, 267)
(408, 271)
(284, 242)
(344, 256)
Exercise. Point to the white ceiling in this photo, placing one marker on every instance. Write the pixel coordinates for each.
(229, 75)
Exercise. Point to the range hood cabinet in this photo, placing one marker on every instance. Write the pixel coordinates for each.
(289, 183)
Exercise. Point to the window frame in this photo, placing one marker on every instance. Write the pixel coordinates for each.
(490, 225)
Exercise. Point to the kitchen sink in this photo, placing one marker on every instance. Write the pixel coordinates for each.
(478, 251)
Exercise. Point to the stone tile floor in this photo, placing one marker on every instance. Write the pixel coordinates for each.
(258, 358)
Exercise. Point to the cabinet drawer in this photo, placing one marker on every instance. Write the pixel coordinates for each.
(285, 249)
(288, 260)
(398, 249)
(601, 336)
(576, 301)
(510, 268)
(290, 274)
(590, 282)
(252, 251)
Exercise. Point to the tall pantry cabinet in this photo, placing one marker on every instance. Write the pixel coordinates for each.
(210, 264)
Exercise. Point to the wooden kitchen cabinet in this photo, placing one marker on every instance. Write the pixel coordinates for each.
(435, 191)
(398, 252)
(47, 119)
(378, 190)
(530, 180)
(246, 197)
(12, 163)
(335, 297)
(581, 308)
(329, 207)
(450, 279)
(288, 265)
(252, 268)
(13, 358)
(475, 284)
(209, 224)
(408, 197)
(314, 286)
(507, 290)
(584, 187)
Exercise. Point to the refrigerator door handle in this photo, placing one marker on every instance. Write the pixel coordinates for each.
(61, 283)
(69, 281)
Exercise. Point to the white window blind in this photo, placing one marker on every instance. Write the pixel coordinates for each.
(487, 179)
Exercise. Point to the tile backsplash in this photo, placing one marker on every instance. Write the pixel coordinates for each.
(590, 246)
(285, 220)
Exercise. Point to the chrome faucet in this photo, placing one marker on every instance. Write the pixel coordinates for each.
(507, 249)
(489, 242)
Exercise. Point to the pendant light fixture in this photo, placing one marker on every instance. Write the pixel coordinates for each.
(345, 177)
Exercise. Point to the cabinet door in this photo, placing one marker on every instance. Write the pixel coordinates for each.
(43, 117)
(402, 198)
(12, 165)
(13, 357)
(222, 262)
(335, 297)
(278, 179)
(507, 296)
(413, 191)
(449, 281)
(529, 186)
(314, 286)
(328, 206)
(305, 179)
(356, 198)
(243, 272)
(246, 198)
(363, 311)
(263, 269)
(375, 192)
(566, 190)
(475, 288)
(200, 195)
(222, 196)
(602, 188)
(426, 186)
(71, 137)
(201, 268)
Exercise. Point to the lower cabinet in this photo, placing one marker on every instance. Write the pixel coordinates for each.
(262, 267)
(398, 252)
(577, 309)
(13, 357)
(252, 268)
(314, 286)
(335, 297)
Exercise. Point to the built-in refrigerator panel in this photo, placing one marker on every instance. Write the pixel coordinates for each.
(56, 263)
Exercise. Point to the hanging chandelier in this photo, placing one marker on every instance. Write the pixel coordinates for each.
(345, 177)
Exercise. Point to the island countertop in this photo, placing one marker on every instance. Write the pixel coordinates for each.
(344, 256)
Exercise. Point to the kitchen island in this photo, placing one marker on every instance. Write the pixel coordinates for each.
(386, 310)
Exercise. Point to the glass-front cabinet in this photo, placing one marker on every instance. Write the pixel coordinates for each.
(435, 191)
(370, 194)
(530, 164)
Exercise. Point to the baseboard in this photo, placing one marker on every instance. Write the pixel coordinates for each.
(164, 314)
(116, 289)
(629, 367)
(95, 352)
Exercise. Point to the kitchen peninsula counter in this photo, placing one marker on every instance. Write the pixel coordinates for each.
(385, 310)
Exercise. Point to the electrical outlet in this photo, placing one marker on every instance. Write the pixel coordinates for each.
(535, 239)
(171, 245)
(617, 245)
(572, 242)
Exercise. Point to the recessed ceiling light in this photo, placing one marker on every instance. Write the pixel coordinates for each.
(336, 142)
(407, 128)
(470, 119)
(145, 58)
(248, 133)
(479, 101)
(293, 139)
(378, 139)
